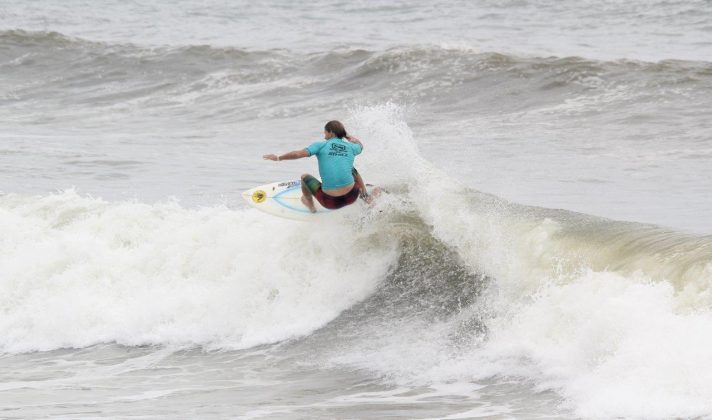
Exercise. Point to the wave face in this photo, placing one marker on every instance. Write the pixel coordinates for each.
(438, 283)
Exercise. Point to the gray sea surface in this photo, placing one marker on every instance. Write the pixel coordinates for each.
(544, 251)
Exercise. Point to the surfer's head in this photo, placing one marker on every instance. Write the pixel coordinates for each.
(334, 129)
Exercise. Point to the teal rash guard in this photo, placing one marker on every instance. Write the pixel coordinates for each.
(336, 161)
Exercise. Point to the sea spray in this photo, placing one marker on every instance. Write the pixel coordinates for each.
(614, 316)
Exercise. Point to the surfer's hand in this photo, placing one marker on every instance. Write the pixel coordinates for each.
(271, 156)
(353, 139)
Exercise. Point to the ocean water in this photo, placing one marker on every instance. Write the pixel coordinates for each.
(545, 249)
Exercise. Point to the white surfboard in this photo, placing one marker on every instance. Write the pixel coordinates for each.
(283, 199)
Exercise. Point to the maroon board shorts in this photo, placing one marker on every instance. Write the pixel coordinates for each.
(327, 201)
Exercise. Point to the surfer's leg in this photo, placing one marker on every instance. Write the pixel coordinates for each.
(361, 186)
(309, 186)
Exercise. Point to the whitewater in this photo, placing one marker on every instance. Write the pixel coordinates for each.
(544, 251)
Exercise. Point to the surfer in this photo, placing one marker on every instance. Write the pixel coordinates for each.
(342, 185)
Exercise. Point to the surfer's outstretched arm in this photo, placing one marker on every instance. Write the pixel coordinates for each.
(294, 154)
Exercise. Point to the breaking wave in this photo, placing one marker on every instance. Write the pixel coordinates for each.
(437, 283)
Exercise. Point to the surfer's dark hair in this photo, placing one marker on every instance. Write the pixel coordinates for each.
(337, 128)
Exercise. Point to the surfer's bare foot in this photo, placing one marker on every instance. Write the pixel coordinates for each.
(370, 198)
(309, 204)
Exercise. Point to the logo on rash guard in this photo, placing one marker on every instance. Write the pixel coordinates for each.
(338, 150)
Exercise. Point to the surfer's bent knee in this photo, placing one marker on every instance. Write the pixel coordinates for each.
(312, 184)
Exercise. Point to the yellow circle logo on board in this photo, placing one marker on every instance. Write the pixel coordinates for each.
(259, 196)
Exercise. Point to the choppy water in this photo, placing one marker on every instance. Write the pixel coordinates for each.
(544, 251)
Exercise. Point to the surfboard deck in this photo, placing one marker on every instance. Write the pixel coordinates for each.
(283, 199)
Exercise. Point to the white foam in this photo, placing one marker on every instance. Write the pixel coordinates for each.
(76, 271)
(614, 346)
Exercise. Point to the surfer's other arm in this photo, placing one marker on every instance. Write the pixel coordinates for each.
(294, 154)
(353, 139)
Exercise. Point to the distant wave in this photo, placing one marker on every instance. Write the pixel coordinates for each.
(51, 65)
